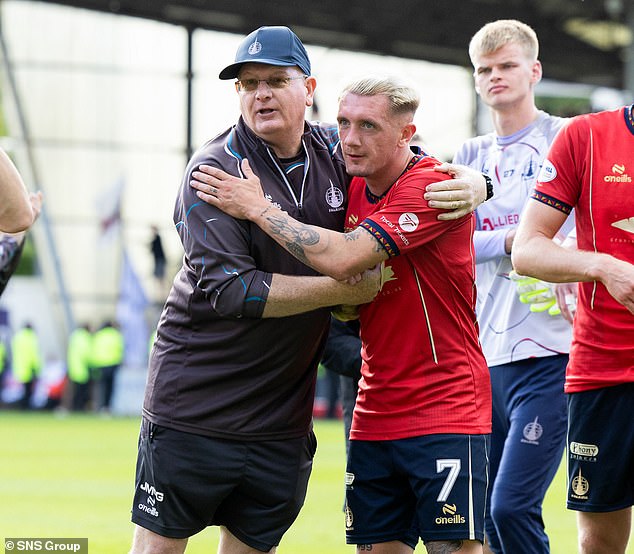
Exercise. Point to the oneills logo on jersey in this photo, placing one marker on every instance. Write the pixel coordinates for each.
(579, 487)
(618, 175)
(450, 516)
(547, 172)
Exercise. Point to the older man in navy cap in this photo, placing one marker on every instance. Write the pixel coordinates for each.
(226, 437)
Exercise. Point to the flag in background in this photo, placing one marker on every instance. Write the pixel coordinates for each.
(131, 314)
(108, 203)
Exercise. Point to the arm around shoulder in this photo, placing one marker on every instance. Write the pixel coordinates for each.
(290, 295)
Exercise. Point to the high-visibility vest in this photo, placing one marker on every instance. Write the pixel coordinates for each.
(107, 348)
(3, 356)
(26, 355)
(79, 355)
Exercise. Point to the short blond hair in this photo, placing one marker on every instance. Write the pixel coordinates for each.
(402, 98)
(496, 34)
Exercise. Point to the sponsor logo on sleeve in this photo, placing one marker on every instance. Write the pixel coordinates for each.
(408, 222)
(547, 172)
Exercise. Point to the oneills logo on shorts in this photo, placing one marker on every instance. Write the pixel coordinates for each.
(450, 516)
(153, 497)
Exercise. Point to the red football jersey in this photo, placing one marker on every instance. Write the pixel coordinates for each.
(590, 167)
(423, 371)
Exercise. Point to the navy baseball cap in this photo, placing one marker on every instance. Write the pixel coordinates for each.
(270, 45)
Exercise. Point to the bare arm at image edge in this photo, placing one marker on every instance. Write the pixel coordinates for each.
(16, 209)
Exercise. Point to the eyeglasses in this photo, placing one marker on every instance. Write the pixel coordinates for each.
(250, 85)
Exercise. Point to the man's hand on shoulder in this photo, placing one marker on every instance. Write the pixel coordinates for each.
(240, 198)
(460, 195)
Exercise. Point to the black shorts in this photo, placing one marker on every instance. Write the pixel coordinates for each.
(433, 487)
(186, 482)
(601, 449)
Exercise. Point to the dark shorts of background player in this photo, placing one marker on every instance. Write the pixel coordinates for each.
(432, 487)
(601, 449)
(186, 482)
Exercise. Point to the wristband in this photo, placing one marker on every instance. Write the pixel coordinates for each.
(489, 184)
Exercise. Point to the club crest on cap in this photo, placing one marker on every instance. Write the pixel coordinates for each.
(274, 45)
(255, 47)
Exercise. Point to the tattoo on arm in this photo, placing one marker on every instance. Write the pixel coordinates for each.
(296, 236)
(364, 547)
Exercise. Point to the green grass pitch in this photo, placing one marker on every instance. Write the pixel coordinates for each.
(73, 476)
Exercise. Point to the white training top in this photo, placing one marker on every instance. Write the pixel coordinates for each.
(509, 331)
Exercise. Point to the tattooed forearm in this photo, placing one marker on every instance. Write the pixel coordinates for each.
(295, 235)
(298, 233)
(298, 252)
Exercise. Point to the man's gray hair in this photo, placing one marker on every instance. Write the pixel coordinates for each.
(402, 97)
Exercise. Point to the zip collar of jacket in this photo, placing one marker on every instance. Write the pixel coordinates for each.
(252, 143)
